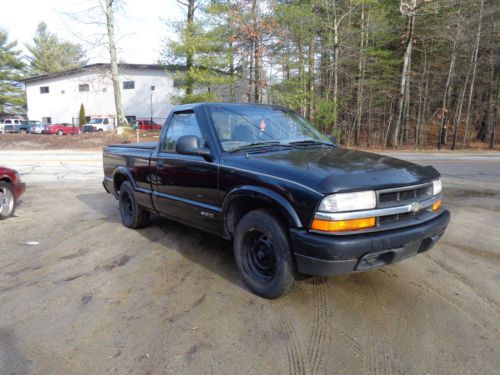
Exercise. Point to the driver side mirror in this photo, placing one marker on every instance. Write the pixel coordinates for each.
(333, 139)
(190, 145)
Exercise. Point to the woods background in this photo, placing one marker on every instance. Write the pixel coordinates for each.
(411, 73)
(400, 73)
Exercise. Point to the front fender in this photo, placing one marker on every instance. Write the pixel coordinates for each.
(267, 195)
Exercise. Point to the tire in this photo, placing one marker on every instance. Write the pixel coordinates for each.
(23, 131)
(60, 132)
(133, 215)
(262, 254)
(7, 201)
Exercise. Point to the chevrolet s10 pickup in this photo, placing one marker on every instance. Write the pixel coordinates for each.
(291, 200)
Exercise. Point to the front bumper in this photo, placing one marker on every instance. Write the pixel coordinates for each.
(325, 255)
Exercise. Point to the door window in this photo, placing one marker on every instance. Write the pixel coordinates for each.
(183, 123)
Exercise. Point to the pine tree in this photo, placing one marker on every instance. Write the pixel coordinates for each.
(82, 119)
(50, 55)
(12, 99)
(202, 52)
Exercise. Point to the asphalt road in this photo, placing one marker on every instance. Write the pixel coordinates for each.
(81, 294)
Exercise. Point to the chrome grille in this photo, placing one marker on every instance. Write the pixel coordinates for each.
(401, 196)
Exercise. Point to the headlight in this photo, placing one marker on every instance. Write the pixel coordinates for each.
(437, 187)
(363, 200)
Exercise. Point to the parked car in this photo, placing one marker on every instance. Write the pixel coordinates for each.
(11, 188)
(99, 124)
(148, 125)
(29, 126)
(10, 125)
(289, 199)
(38, 128)
(61, 129)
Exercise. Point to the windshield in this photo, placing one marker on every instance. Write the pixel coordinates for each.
(240, 126)
(95, 121)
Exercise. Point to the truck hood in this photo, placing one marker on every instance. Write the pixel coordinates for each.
(333, 170)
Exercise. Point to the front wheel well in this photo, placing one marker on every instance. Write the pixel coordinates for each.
(241, 206)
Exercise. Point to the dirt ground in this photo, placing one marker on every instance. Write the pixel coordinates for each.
(84, 141)
(82, 294)
(96, 141)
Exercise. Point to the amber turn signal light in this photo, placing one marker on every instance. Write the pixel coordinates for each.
(342, 225)
(436, 205)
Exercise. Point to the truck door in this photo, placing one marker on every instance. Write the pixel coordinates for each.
(185, 186)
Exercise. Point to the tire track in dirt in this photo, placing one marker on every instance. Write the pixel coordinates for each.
(297, 363)
(321, 325)
(489, 300)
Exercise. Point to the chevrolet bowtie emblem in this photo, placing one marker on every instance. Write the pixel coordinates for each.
(415, 207)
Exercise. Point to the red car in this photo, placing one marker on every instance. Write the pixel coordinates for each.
(61, 129)
(148, 125)
(11, 188)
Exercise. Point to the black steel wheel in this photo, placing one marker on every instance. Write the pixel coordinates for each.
(262, 254)
(133, 215)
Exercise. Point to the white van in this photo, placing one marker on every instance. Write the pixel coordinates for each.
(99, 124)
(10, 125)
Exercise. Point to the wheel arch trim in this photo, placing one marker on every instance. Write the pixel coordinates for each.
(266, 195)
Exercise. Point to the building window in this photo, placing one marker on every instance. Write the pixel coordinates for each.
(62, 92)
(44, 89)
(127, 85)
(83, 87)
(104, 89)
(47, 120)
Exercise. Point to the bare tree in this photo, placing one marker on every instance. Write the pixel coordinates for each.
(474, 64)
(408, 8)
(109, 12)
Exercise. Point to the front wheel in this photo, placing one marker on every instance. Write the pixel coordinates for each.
(7, 201)
(262, 254)
(60, 132)
(133, 215)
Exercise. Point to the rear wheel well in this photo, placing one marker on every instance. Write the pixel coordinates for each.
(241, 206)
(118, 180)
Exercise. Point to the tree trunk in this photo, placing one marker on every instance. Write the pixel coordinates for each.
(120, 117)
(447, 86)
(361, 73)
(458, 116)
(310, 80)
(336, 63)
(474, 64)
(404, 76)
(189, 55)
(256, 54)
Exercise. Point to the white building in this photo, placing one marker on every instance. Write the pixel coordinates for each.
(146, 93)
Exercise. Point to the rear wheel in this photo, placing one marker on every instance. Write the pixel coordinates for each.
(262, 254)
(133, 215)
(60, 132)
(7, 201)
(23, 131)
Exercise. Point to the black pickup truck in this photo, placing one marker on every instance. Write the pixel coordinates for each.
(291, 200)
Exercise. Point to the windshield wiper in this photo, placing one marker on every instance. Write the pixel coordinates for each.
(257, 144)
(306, 142)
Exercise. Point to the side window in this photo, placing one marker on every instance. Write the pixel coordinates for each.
(183, 123)
(8, 121)
(106, 121)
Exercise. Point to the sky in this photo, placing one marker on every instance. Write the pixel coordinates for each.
(140, 25)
